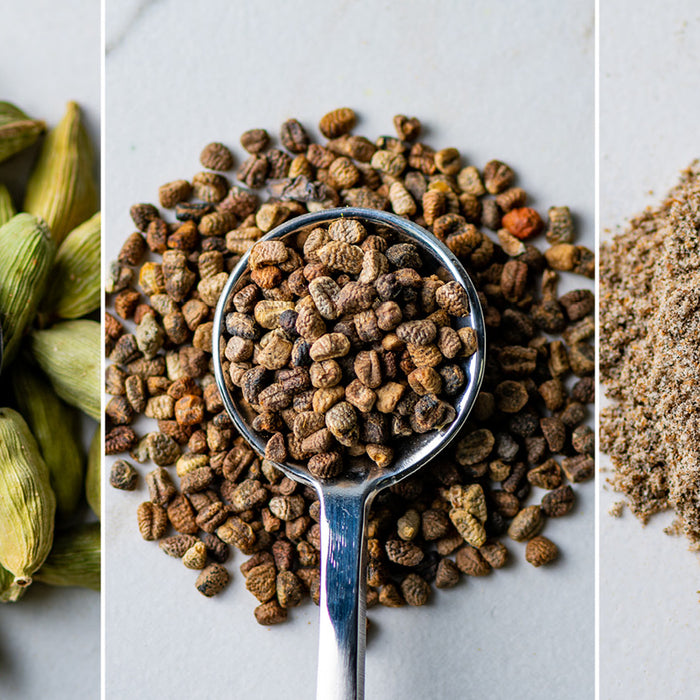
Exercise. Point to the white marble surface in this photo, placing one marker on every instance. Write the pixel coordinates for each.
(650, 98)
(514, 83)
(49, 54)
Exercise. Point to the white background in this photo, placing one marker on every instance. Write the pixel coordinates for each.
(650, 100)
(50, 54)
(512, 81)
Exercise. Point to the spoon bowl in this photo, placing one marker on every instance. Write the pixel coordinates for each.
(345, 500)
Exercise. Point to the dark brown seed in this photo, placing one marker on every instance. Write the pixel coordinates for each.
(293, 136)
(209, 187)
(270, 613)
(290, 591)
(119, 439)
(157, 236)
(505, 503)
(325, 465)
(407, 128)
(174, 192)
(182, 516)
(177, 545)
(216, 156)
(498, 177)
(278, 165)
(475, 447)
(469, 561)
(447, 574)
(133, 249)
(495, 554)
(584, 390)
(196, 480)
(514, 280)
(152, 521)
(162, 449)
(511, 396)
(512, 198)
(337, 122)
(553, 393)
(142, 215)
(218, 550)
(558, 502)
(254, 141)
(253, 171)
(261, 581)
(578, 303)
(160, 487)
(390, 597)
(491, 214)
(191, 211)
(546, 476)
(123, 476)
(415, 590)
(583, 440)
(212, 580)
(540, 550)
(434, 524)
(579, 468)
(276, 449)
(403, 553)
(125, 303)
(119, 410)
(526, 524)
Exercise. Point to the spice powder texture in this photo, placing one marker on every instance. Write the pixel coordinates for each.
(650, 357)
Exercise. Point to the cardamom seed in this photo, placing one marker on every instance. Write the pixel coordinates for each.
(56, 428)
(61, 189)
(93, 480)
(28, 503)
(7, 208)
(74, 559)
(27, 254)
(17, 130)
(74, 289)
(69, 353)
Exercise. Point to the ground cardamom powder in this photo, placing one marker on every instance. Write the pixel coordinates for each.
(650, 357)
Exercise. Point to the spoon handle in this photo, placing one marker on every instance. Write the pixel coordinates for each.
(341, 652)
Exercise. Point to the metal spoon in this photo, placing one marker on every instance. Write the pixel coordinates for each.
(345, 500)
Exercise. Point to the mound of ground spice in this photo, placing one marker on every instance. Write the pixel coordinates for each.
(650, 357)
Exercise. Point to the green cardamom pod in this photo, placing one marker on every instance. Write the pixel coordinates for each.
(28, 503)
(7, 208)
(93, 480)
(61, 189)
(17, 130)
(25, 263)
(74, 289)
(69, 354)
(56, 428)
(74, 559)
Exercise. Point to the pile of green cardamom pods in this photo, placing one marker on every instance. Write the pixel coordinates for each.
(49, 360)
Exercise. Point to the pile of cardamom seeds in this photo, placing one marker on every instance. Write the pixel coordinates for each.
(515, 465)
(49, 359)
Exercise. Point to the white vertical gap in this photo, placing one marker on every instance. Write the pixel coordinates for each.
(598, 482)
(103, 259)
